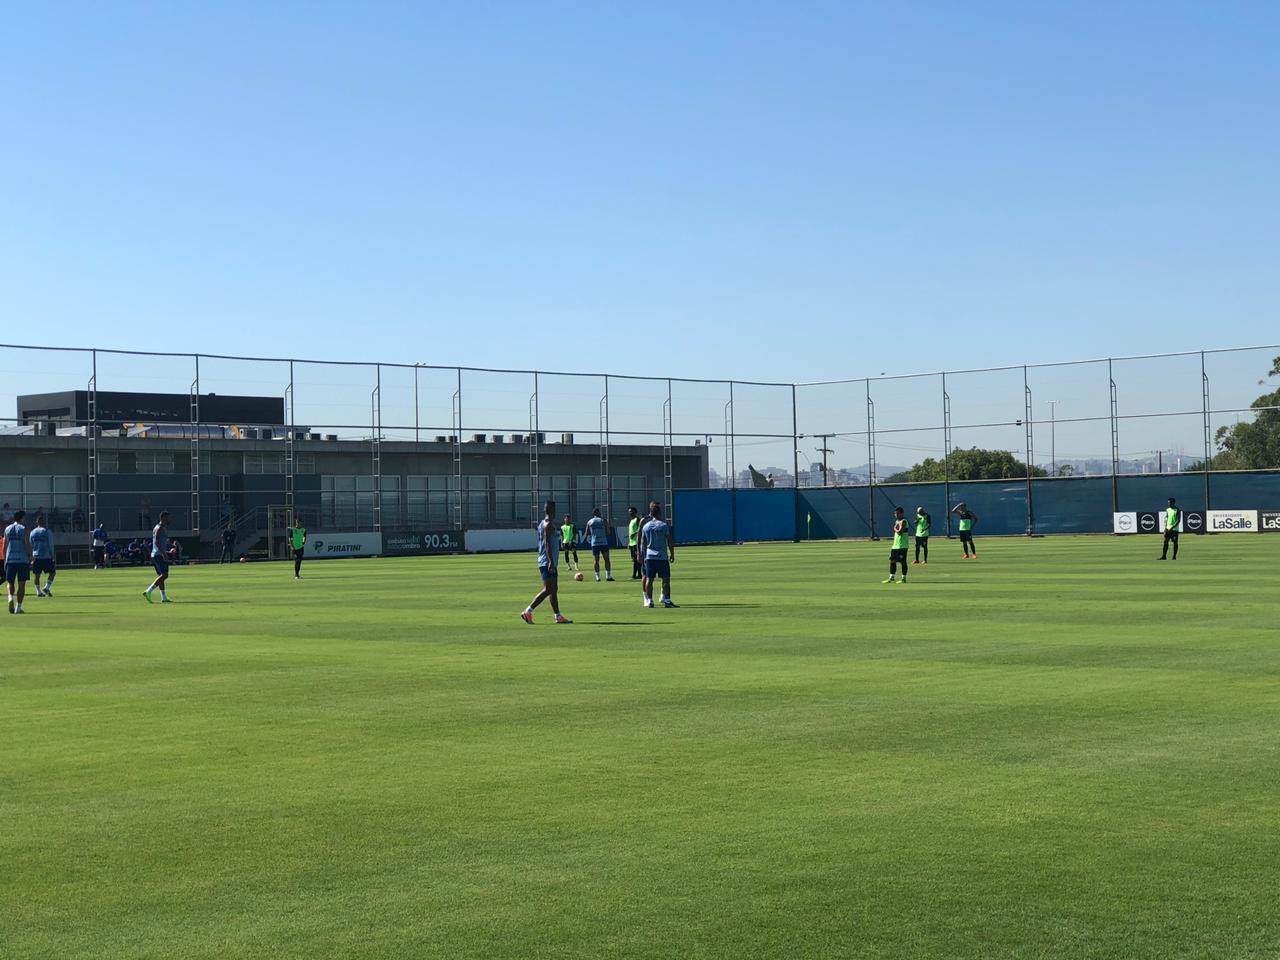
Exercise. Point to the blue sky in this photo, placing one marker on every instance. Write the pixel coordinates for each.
(766, 191)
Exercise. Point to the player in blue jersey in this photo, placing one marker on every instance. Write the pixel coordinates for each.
(17, 560)
(42, 557)
(159, 559)
(598, 537)
(548, 566)
(659, 550)
(100, 539)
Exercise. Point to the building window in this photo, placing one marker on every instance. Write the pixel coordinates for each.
(108, 461)
(304, 463)
(260, 463)
(429, 500)
(154, 461)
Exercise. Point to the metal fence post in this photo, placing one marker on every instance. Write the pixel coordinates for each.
(91, 433)
(1208, 430)
(795, 458)
(1115, 440)
(459, 515)
(194, 449)
(1029, 419)
(668, 429)
(375, 414)
(534, 512)
(871, 463)
(605, 485)
(946, 449)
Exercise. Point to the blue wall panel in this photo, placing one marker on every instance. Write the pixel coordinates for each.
(1075, 505)
(1245, 491)
(702, 516)
(766, 514)
(825, 513)
(1061, 505)
(1153, 492)
(1001, 505)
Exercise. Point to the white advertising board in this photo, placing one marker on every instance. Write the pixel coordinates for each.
(1232, 521)
(327, 546)
(1124, 522)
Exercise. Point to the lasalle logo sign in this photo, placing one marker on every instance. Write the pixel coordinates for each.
(1232, 521)
(1270, 522)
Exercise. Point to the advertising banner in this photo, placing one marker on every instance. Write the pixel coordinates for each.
(1269, 521)
(421, 543)
(1192, 521)
(1233, 521)
(1149, 522)
(327, 546)
(1124, 522)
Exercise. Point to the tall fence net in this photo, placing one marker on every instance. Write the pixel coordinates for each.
(399, 445)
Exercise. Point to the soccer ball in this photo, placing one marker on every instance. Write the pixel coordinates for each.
(244, 559)
(578, 575)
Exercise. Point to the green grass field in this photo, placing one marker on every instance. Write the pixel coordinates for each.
(1065, 749)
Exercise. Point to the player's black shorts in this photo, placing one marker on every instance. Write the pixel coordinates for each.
(44, 565)
(298, 552)
(898, 554)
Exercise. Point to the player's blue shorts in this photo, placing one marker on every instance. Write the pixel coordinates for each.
(548, 573)
(653, 567)
(161, 565)
(599, 548)
(44, 565)
(16, 572)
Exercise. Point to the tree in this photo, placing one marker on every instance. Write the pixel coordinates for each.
(1254, 445)
(971, 464)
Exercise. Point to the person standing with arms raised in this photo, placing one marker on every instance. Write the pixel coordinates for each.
(923, 523)
(967, 519)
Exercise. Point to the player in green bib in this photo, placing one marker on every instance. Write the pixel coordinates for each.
(1172, 527)
(923, 523)
(898, 555)
(569, 541)
(633, 542)
(967, 519)
(298, 541)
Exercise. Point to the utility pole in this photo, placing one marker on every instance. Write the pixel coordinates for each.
(1053, 434)
(824, 450)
